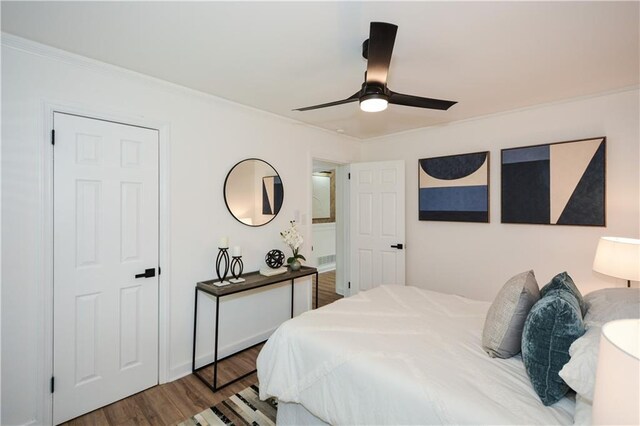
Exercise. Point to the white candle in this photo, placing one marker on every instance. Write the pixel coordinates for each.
(236, 251)
(224, 242)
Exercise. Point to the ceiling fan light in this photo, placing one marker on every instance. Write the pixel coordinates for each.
(373, 103)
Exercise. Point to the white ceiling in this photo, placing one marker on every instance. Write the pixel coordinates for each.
(488, 56)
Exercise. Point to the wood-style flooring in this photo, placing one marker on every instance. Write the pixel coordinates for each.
(326, 289)
(175, 402)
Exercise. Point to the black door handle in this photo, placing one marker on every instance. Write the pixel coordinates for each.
(397, 246)
(148, 273)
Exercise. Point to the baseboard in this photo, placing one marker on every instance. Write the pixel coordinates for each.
(185, 369)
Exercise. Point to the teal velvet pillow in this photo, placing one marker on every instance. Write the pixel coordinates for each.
(564, 281)
(552, 325)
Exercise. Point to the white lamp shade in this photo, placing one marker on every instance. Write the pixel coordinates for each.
(618, 257)
(616, 398)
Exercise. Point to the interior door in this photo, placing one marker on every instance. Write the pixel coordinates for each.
(377, 224)
(105, 233)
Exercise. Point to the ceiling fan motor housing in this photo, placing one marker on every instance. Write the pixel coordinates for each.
(365, 49)
(370, 90)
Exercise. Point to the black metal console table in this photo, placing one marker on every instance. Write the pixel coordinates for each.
(253, 280)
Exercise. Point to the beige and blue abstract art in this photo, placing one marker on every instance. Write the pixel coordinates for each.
(272, 195)
(454, 188)
(558, 184)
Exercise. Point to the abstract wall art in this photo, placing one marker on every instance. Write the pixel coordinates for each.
(555, 184)
(454, 188)
(272, 195)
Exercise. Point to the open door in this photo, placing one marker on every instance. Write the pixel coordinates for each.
(377, 225)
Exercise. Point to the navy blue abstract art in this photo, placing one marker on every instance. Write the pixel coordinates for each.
(272, 195)
(555, 184)
(454, 188)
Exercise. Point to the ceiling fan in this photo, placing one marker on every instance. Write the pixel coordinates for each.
(374, 95)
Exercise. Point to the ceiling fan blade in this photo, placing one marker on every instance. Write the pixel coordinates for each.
(382, 37)
(417, 101)
(351, 98)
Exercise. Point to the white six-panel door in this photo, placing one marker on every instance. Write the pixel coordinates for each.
(376, 224)
(105, 232)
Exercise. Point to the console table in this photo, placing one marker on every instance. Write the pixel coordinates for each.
(252, 281)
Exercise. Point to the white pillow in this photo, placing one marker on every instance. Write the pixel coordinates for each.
(580, 372)
(612, 304)
(582, 415)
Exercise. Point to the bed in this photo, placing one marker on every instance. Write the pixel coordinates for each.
(397, 355)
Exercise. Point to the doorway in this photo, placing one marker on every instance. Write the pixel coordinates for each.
(328, 221)
(106, 251)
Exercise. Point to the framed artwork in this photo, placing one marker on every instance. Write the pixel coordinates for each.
(555, 184)
(323, 202)
(272, 195)
(454, 188)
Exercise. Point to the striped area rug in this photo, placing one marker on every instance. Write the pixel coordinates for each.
(243, 408)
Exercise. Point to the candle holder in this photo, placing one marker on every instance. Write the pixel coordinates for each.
(236, 270)
(222, 265)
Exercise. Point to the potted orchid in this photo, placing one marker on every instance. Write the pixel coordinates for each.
(293, 239)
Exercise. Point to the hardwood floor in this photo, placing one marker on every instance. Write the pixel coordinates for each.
(326, 289)
(175, 402)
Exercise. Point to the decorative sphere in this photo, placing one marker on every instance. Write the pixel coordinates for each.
(274, 259)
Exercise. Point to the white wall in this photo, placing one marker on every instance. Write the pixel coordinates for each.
(207, 137)
(324, 244)
(476, 259)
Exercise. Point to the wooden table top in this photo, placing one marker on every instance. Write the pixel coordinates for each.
(253, 280)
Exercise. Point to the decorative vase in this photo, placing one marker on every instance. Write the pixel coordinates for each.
(295, 265)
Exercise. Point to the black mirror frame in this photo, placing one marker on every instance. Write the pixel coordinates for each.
(224, 191)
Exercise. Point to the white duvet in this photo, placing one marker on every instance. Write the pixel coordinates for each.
(399, 355)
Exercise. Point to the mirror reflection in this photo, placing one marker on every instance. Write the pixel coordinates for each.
(323, 204)
(253, 192)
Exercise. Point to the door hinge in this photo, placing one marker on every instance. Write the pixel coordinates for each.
(53, 137)
(349, 176)
(159, 270)
(349, 284)
(53, 380)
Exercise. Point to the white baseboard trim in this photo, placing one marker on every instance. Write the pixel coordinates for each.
(185, 369)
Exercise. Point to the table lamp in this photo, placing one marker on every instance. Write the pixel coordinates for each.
(616, 398)
(618, 257)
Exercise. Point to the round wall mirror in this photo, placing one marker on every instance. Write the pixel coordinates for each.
(253, 192)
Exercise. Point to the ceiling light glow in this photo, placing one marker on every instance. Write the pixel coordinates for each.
(373, 104)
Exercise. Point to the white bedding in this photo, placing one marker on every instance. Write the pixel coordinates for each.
(399, 355)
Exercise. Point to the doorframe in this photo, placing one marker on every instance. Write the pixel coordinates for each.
(45, 301)
(342, 259)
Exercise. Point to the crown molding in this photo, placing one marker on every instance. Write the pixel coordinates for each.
(49, 52)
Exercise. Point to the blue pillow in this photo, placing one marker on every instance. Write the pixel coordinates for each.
(552, 325)
(564, 281)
